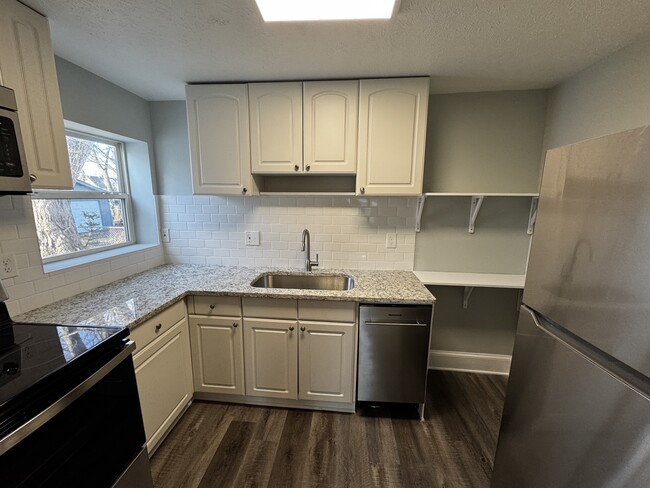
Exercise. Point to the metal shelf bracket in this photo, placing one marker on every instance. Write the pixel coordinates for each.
(467, 292)
(477, 201)
(532, 217)
(420, 207)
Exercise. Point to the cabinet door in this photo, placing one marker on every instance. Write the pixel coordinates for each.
(326, 361)
(217, 117)
(276, 127)
(271, 356)
(217, 354)
(27, 66)
(392, 132)
(164, 376)
(331, 111)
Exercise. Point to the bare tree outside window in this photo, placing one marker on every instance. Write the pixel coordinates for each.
(94, 215)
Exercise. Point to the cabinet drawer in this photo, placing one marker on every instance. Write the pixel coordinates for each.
(222, 306)
(327, 310)
(270, 308)
(156, 326)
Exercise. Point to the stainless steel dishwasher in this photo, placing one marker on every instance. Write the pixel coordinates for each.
(393, 353)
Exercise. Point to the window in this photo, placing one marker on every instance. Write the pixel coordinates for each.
(96, 214)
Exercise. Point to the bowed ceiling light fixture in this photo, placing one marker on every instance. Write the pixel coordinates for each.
(301, 10)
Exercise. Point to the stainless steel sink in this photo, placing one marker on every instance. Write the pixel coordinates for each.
(305, 282)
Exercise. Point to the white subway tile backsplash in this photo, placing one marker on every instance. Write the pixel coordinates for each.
(347, 232)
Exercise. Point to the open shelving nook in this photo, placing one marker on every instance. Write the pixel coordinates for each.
(477, 202)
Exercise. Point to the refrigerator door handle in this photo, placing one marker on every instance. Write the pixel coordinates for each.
(609, 364)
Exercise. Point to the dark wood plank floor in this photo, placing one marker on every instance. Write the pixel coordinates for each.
(223, 445)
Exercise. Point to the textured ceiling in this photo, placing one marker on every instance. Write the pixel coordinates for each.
(153, 47)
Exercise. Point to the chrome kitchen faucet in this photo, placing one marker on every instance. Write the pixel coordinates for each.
(306, 246)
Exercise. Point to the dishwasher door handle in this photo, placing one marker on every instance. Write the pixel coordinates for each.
(400, 324)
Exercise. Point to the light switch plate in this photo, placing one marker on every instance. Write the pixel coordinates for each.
(164, 235)
(391, 241)
(253, 238)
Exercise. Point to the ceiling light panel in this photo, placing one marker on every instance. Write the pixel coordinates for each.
(306, 10)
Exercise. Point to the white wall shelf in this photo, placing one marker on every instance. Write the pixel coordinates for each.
(469, 281)
(481, 280)
(477, 201)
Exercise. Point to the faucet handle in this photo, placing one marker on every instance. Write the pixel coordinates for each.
(315, 263)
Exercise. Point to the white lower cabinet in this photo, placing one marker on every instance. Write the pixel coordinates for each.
(218, 352)
(164, 376)
(326, 357)
(271, 350)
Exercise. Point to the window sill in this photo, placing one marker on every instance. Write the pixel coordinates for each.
(96, 257)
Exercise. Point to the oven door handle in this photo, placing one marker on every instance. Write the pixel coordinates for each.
(58, 406)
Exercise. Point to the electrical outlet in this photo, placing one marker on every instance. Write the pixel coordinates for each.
(253, 238)
(8, 267)
(391, 241)
(164, 235)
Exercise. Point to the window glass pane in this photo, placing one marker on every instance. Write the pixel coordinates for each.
(67, 226)
(94, 165)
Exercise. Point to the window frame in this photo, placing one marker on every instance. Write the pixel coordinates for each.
(124, 194)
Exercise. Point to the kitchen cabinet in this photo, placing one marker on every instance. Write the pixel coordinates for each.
(330, 126)
(292, 353)
(392, 133)
(217, 345)
(270, 351)
(275, 127)
(163, 372)
(219, 139)
(326, 354)
(27, 66)
(308, 127)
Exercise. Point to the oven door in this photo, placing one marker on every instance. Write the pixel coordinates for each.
(92, 436)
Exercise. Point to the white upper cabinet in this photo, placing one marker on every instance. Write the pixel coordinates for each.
(27, 66)
(276, 127)
(219, 139)
(392, 133)
(330, 126)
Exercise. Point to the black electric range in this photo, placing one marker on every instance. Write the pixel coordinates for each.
(39, 361)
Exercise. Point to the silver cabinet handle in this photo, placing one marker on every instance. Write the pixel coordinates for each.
(244, 191)
(308, 167)
(32, 177)
(303, 328)
(291, 328)
(362, 190)
(212, 305)
(158, 327)
(235, 324)
(296, 167)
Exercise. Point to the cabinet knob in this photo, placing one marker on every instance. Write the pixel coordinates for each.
(296, 167)
(303, 328)
(308, 167)
(212, 306)
(244, 190)
(362, 190)
(32, 177)
(235, 324)
(158, 327)
(291, 328)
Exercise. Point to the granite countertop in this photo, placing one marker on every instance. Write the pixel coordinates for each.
(133, 300)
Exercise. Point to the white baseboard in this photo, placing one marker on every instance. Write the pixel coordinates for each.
(470, 362)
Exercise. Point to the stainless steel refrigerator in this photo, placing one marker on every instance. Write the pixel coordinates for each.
(577, 410)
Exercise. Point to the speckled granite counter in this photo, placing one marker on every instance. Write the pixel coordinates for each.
(131, 301)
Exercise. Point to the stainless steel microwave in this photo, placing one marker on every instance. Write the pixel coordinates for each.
(14, 176)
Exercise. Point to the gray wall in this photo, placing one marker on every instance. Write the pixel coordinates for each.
(92, 101)
(484, 142)
(610, 96)
(172, 147)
